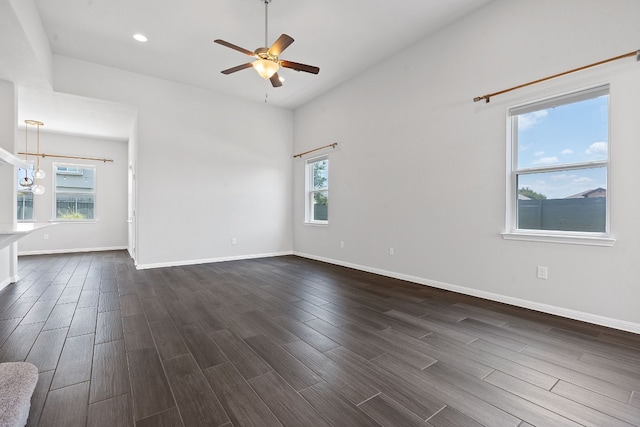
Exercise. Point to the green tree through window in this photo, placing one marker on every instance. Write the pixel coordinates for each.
(317, 210)
(319, 182)
(527, 192)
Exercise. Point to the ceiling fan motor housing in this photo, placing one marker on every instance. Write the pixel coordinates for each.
(263, 53)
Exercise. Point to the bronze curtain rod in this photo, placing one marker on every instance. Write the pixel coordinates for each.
(316, 149)
(488, 96)
(43, 155)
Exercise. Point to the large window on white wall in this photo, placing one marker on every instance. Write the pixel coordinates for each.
(559, 163)
(75, 192)
(317, 190)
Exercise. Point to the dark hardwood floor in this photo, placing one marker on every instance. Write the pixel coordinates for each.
(289, 341)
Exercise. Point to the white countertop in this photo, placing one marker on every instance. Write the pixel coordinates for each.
(9, 233)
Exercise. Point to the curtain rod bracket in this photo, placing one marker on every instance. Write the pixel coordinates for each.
(487, 98)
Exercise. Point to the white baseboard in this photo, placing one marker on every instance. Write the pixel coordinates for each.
(544, 308)
(210, 260)
(8, 281)
(71, 251)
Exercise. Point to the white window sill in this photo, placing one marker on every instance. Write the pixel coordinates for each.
(316, 224)
(572, 239)
(75, 221)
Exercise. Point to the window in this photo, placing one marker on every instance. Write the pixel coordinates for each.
(559, 166)
(317, 185)
(25, 196)
(75, 192)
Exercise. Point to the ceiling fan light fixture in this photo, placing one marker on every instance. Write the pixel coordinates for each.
(266, 67)
(267, 62)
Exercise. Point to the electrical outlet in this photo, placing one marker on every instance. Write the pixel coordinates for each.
(542, 272)
(342, 243)
(45, 237)
(391, 251)
(234, 241)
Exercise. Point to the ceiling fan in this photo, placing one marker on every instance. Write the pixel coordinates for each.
(267, 61)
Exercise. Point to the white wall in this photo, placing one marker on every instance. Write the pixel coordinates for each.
(25, 52)
(132, 190)
(8, 112)
(209, 167)
(416, 156)
(110, 229)
(38, 57)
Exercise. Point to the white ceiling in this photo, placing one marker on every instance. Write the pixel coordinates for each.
(64, 113)
(342, 37)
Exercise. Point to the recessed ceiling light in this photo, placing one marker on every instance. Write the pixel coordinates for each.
(140, 37)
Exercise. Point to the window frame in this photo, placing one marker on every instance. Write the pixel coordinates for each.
(29, 171)
(55, 191)
(511, 230)
(310, 191)
(70, 170)
(32, 219)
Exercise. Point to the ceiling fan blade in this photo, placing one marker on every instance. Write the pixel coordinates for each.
(238, 68)
(300, 67)
(280, 45)
(234, 47)
(275, 80)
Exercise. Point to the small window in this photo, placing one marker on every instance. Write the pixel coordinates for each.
(317, 195)
(25, 196)
(560, 161)
(75, 192)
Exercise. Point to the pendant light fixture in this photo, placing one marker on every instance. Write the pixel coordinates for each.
(38, 174)
(26, 182)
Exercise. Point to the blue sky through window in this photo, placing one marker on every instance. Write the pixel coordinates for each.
(564, 135)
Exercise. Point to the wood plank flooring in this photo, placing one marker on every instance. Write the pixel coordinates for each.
(293, 342)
